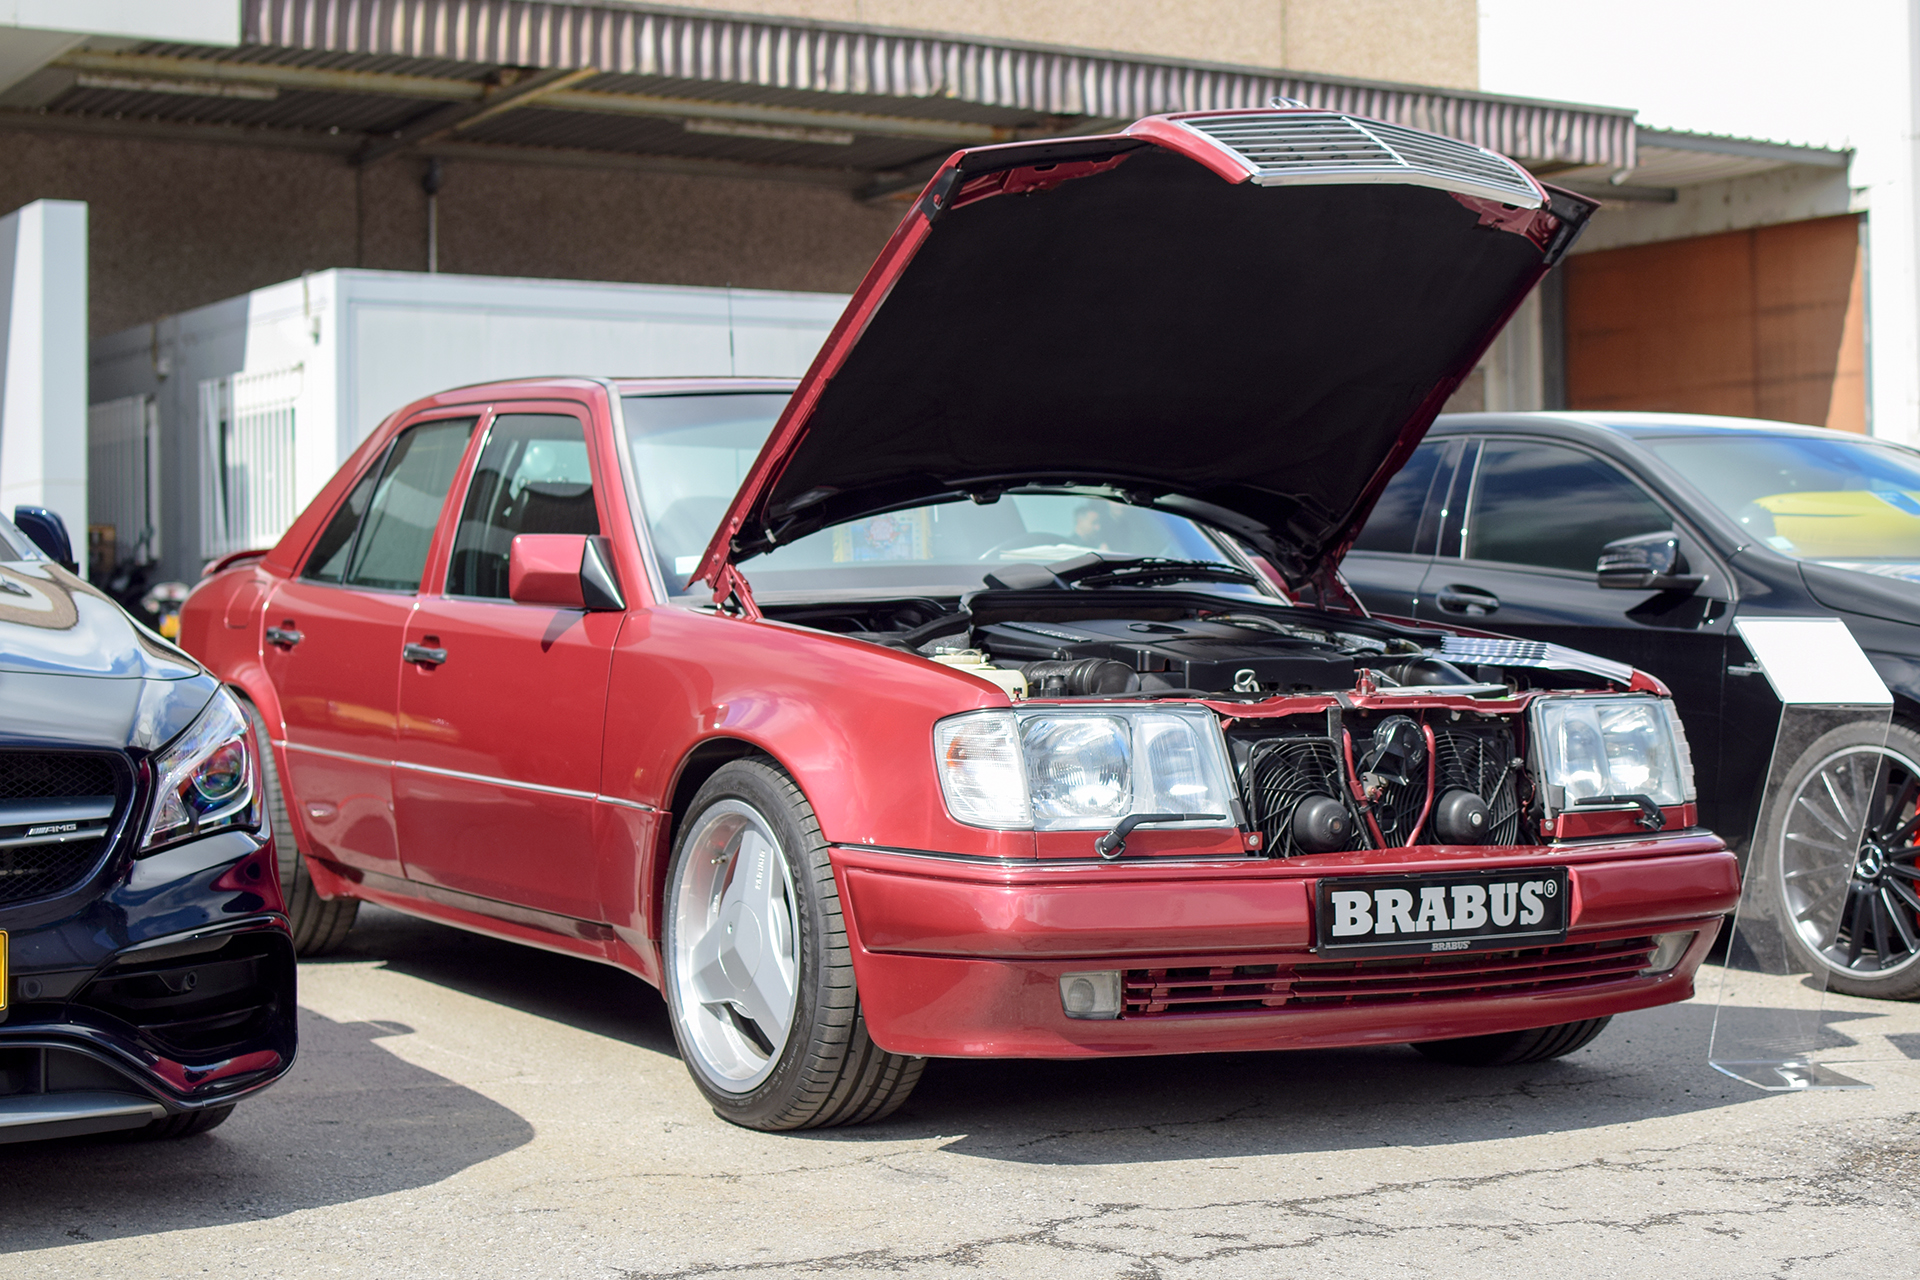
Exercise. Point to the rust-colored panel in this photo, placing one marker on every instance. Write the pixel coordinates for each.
(1765, 323)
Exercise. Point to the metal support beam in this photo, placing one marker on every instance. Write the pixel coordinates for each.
(557, 98)
(510, 93)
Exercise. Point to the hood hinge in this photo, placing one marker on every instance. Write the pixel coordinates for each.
(732, 595)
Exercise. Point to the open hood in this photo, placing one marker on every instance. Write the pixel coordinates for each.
(1247, 318)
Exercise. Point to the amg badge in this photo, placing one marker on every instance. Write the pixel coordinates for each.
(1472, 911)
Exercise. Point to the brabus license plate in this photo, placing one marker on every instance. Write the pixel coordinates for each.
(1436, 914)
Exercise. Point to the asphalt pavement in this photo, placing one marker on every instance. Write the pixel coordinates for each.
(465, 1107)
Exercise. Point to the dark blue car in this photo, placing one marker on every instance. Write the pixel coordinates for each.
(146, 972)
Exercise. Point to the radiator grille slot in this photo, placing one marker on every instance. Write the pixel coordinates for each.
(1313, 147)
(1212, 990)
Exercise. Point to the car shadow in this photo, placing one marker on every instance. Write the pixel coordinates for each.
(595, 998)
(351, 1121)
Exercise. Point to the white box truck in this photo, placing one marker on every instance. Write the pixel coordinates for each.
(208, 431)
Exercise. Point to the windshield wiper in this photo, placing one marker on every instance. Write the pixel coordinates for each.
(1105, 572)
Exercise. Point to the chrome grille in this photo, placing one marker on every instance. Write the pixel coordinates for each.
(1258, 988)
(1318, 147)
(57, 810)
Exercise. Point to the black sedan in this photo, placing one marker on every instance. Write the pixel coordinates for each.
(146, 972)
(1642, 537)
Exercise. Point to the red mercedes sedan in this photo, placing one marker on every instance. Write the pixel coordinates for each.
(993, 691)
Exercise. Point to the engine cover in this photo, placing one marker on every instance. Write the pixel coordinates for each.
(1209, 656)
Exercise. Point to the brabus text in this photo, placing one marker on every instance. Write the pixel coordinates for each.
(1439, 909)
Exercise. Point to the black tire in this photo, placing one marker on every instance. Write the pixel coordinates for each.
(1513, 1048)
(319, 924)
(827, 1071)
(1863, 934)
(184, 1125)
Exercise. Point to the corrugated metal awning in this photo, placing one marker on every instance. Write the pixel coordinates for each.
(790, 56)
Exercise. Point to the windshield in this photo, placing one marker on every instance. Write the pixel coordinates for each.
(691, 453)
(1818, 498)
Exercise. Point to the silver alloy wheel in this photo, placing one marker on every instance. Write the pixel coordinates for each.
(736, 949)
(1863, 921)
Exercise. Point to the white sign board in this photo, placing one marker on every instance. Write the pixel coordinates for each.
(1813, 662)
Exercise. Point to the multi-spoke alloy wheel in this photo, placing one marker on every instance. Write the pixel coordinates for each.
(735, 946)
(759, 976)
(1850, 904)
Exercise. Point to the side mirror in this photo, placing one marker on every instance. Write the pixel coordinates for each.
(566, 570)
(1649, 562)
(48, 532)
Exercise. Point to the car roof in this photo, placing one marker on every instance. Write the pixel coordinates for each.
(1635, 425)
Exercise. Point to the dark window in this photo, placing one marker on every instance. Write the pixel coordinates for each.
(1396, 517)
(389, 547)
(533, 477)
(1541, 504)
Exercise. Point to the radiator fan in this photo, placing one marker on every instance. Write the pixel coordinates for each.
(1283, 772)
(1481, 761)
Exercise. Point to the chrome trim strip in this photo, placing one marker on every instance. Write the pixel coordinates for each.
(1017, 864)
(29, 1111)
(462, 775)
(57, 837)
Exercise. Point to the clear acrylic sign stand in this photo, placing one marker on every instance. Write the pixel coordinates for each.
(1823, 782)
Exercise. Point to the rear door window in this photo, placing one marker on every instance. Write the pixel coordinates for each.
(380, 535)
(534, 476)
(1551, 507)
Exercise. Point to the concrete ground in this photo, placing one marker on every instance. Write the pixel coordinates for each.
(464, 1107)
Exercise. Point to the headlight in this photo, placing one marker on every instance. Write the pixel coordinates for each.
(204, 780)
(1612, 746)
(1053, 770)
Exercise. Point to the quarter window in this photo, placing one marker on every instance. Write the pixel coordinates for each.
(533, 476)
(1553, 507)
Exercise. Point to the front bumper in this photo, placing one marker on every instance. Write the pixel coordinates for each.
(169, 989)
(961, 957)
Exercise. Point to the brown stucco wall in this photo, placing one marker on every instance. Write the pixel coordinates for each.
(1764, 323)
(176, 225)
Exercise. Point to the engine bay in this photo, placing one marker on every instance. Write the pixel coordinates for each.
(1359, 733)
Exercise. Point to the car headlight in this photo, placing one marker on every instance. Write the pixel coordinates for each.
(1046, 769)
(205, 779)
(1612, 746)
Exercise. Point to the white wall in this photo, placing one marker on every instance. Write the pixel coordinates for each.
(43, 362)
(1831, 75)
(186, 21)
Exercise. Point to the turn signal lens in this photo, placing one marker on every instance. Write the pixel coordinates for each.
(205, 779)
(1091, 995)
(981, 770)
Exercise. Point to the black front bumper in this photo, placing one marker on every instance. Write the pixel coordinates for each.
(166, 985)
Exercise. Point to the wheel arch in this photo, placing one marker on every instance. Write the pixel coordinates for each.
(700, 763)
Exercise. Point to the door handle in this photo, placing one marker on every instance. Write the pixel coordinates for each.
(285, 636)
(1471, 601)
(422, 654)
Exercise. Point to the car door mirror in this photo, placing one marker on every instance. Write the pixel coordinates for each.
(566, 570)
(47, 531)
(1648, 562)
